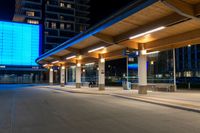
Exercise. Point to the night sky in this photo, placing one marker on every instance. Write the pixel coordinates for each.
(99, 9)
(7, 8)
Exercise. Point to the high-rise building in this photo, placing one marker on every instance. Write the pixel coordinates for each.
(28, 11)
(61, 19)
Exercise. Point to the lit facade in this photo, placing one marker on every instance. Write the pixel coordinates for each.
(19, 48)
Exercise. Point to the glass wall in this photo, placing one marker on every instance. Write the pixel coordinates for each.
(160, 67)
(71, 74)
(22, 77)
(115, 72)
(90, 73)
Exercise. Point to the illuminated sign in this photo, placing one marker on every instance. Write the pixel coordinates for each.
(19, 44)
(133, 66)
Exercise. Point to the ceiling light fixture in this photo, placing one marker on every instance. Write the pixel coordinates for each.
(55, 62)
(96, 49)
(154, 52)
(88, 64)
(147, 32)
(71, 57)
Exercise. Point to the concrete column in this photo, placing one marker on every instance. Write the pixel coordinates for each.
(62, 76)
(78, 76)
(142, 74)
(51, 76)
(101, 74)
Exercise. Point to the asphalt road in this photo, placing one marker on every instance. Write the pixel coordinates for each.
(26, 109)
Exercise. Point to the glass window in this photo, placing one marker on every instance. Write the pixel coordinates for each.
(32, 21)
(69, 6)
(53, 25)
(62, 26)
(62, 4)
(30, 13)
(69, 26)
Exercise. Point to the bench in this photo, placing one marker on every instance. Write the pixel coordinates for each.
(165, 87)
(157, 87)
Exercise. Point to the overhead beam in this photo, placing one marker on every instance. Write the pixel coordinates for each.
(56, 57)
(110, 40)
(73, 50)
(71, 61)
(88, 60)
(129, 44)
(197, 9)
(165, 21)
(181, 7)
(104, 38)
(92, 55)
(184, 39)
(114, 55)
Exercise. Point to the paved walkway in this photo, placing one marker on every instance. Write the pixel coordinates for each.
(182, 99)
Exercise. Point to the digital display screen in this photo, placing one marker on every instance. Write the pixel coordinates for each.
(19, 44)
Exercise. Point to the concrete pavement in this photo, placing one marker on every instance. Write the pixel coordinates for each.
(35, 109)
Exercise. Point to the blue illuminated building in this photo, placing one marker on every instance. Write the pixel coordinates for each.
(19, 48)
(19, 44)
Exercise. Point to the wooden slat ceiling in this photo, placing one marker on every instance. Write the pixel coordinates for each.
(170, 31)
(147, 15)
(86, 43)
(63, 52)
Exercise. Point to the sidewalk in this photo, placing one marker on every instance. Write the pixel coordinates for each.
(182, 99)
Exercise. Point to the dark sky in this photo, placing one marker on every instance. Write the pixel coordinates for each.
(7, 9)
(99, 9)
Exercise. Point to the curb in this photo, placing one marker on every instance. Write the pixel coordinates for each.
(134, 98)
(158, 103)
(74, 91)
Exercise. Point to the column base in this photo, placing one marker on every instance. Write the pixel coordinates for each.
(142, 89)
(101, 87)
(62, 85)
(50, 83)
(78, 85)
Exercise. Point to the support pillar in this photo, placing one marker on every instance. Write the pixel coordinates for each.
(78, 76)
(142, 74)
(50, 76)
(62, 76)
(102, 74)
